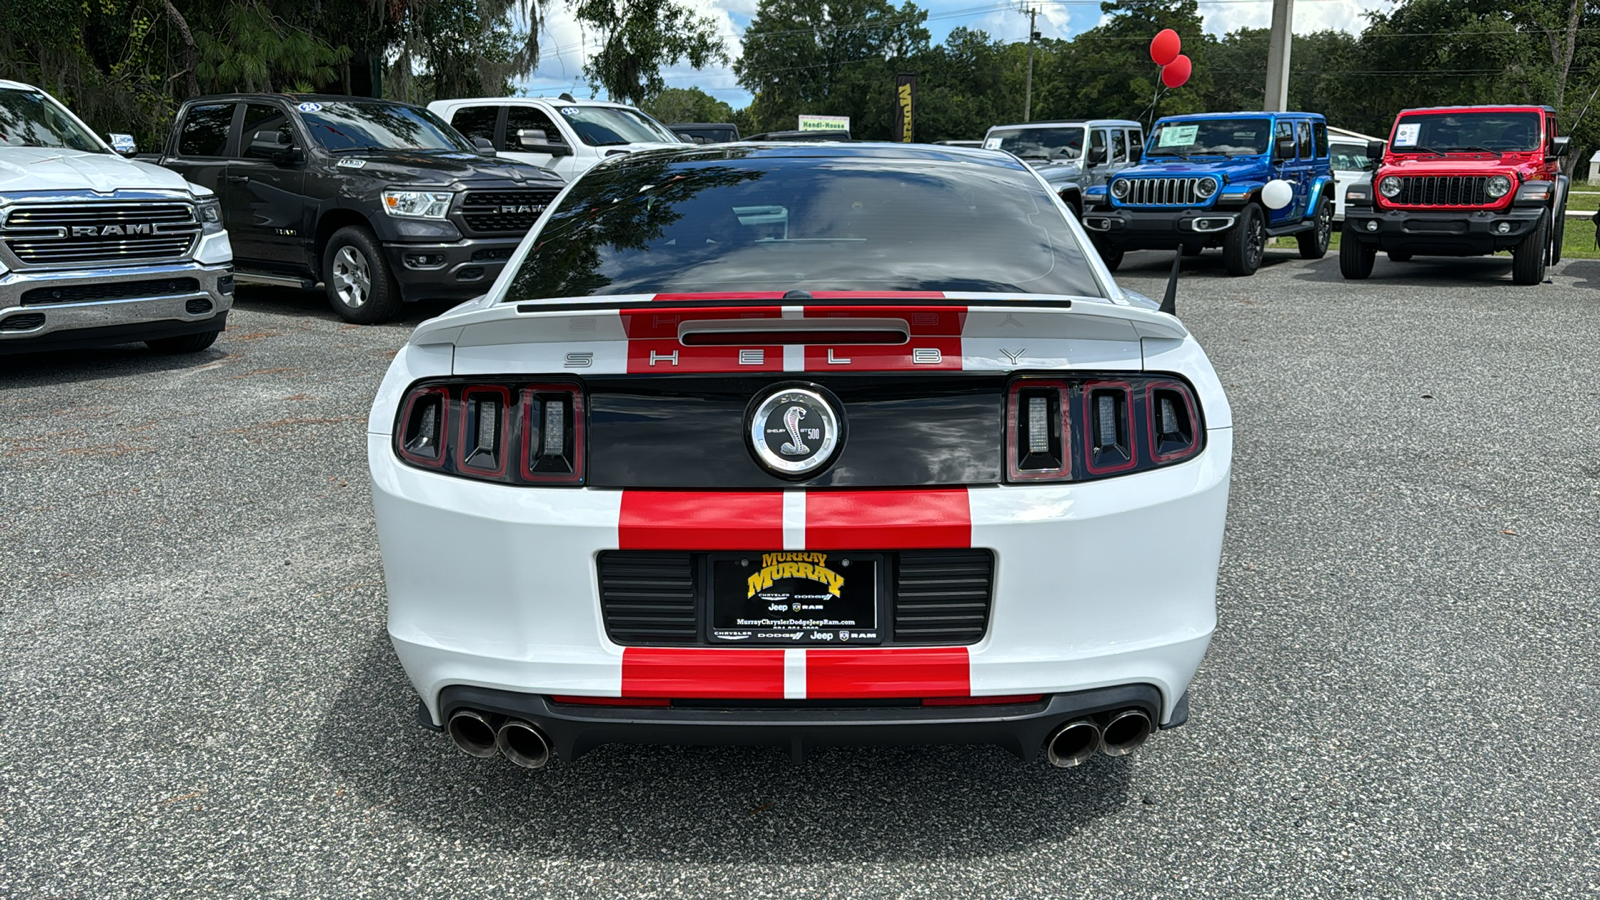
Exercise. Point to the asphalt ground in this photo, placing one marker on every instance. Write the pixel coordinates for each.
(199, 698)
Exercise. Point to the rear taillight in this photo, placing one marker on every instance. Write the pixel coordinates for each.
(1085, 428)
(509, 432)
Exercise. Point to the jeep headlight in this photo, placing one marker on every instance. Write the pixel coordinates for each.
(1389, 187)
(1499, 186)
(1205, 187)
(417, 204)
(210, 211)
(1119, 188)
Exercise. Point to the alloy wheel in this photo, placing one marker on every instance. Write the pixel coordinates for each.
(352, 279)
(1257, 243)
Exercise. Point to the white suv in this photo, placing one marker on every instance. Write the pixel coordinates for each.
(565, 135)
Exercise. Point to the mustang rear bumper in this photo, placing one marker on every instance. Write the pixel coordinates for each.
(1442, 232)
(575, 729)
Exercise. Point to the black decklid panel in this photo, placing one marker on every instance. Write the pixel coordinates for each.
(687, 431)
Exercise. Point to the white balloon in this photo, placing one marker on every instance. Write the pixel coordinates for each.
(1277, 194)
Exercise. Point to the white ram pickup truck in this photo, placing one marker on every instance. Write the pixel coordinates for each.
(96, 249)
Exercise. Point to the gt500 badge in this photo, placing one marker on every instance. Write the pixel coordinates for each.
(795, 431)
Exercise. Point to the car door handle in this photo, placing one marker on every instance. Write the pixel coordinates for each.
(238, 179)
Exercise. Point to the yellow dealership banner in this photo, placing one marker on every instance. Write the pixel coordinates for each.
(905, 95)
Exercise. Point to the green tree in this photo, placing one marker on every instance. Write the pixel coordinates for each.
(687, 105)
(638, 38)
(1106, 71)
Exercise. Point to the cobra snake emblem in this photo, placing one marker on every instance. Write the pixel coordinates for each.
(791, 421)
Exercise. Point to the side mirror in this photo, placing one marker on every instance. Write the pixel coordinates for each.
(124, 146)
(1097, 155)
(1283, 148)
(484, 146)
(1558, 146)
(1135, 152)
(273, 145)
(1375, 149)
(534, 140)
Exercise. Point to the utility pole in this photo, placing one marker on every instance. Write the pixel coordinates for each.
(1278, 55)
(1027, 93)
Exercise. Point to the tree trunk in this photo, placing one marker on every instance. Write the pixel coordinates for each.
(191, 54)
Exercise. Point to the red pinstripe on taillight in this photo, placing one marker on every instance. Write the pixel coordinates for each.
(404, 423)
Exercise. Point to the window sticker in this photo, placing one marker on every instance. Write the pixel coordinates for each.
(1406, 134)
(349, 163)
(569, 110)
(309, 107)
(1178, 135)
(991, 143)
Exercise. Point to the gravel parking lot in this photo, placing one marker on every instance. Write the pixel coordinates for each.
(1400, 701)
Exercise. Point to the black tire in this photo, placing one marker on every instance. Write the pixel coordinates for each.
(1110, 255)
(184, 343)
(1399, 256)
(1246, 243)
(1558, 233)
(1314, 243)
(1355, 258)
(1527, 260)
(360, 287)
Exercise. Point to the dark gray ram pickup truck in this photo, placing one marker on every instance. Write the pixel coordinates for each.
(381, 202)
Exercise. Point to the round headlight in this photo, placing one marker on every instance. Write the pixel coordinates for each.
(1205, 187)
(1389, 187)
(1119, 189)
(1499, 186)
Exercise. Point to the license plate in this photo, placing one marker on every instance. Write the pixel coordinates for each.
(796, 597)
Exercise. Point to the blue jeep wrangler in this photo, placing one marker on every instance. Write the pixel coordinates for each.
(1199, 185)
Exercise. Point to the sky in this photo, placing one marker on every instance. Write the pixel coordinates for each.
(563, 43)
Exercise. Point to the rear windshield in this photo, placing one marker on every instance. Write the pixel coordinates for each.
(1210, 137)
(803, 223)
(340, 125)
(1057, 143)
(1447, 132)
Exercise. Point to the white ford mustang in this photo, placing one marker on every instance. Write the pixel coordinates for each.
(797, 445)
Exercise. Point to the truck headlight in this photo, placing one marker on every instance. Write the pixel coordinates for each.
(1119, 188)
(1499, 186)
(210, 211)
(417, 204)
(1389, 186)
(1205, 187)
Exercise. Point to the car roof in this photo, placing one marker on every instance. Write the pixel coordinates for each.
(1485, 107)
(295, 98)
(923, 153)
(1129, 123)
(702, 125)
(1197, 117)
(529, 101)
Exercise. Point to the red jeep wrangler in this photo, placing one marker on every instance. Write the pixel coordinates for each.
(1462, 181)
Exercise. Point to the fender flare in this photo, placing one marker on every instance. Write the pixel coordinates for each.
(1322, 183)
(1072, 195)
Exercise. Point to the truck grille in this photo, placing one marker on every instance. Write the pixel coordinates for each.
(1163, 192)
(1443, 190)
(504, 212)
(940, 596)
(119, 290)
(100, 233)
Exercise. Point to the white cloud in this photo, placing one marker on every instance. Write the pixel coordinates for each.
(1309, 15)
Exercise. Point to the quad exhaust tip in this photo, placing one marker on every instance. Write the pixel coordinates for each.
(1072, 744)
(523, 744)
(472, 733)
(1124, 732)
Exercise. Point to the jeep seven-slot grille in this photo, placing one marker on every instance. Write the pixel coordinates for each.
(100, 233)
(1162, 192)
(1443, 190)
(940, 597)
(504, 212)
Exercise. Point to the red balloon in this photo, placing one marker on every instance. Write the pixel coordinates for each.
(1166, 47)
(1175, 73)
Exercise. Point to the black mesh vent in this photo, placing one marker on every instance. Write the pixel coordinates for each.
(113, 290)
(504, 212)
(197, 306)
(942, 596)
(649, 598)
(24, 322)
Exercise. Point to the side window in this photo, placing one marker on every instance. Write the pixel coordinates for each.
(1097, 141)
(1283, 131)
(260, 117)
(1136, 139)
(205, 130)
(1303, 132)
(1119, 145)
(476, 121)
(1319, 131)
(521, 117)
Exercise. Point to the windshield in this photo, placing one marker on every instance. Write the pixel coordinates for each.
(1210, 137)
(346, 125)
(1038, 143)
(608, 126)
(1446, 132)
(803, 223)
(30, 119)
(1350, 158)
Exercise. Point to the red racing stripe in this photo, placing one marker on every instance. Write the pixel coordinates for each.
(701, 520)
(715, 673)
(910, 672)
(887, 520)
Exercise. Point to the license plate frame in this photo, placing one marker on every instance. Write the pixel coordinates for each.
(827, 619)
